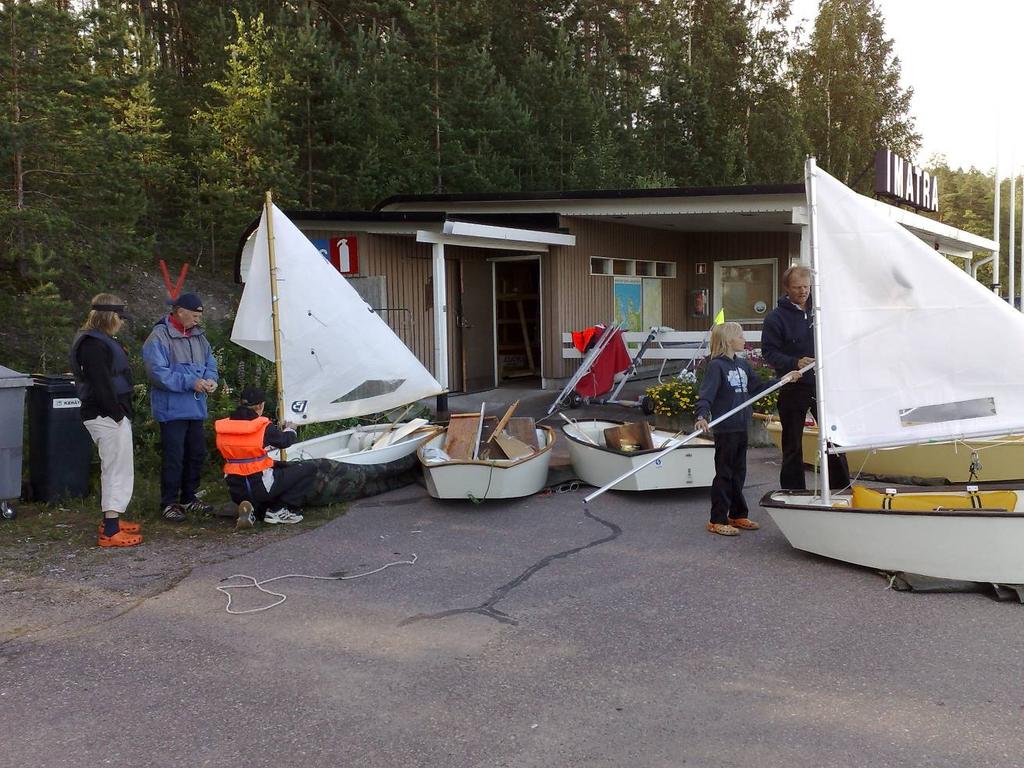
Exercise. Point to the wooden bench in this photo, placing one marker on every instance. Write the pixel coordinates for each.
(667, 345)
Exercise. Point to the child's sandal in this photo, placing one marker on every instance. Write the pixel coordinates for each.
(744, 522)
(722, 530)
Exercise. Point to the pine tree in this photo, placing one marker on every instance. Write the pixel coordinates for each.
(850, 93)
(775, 143)
(242, 139)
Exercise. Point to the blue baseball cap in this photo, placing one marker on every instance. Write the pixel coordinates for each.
(189, 301)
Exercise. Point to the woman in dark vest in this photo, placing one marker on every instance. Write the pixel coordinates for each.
(104, 382)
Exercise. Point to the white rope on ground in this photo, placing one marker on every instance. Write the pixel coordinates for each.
(226, 589)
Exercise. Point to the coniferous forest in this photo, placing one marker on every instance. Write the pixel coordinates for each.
(133, 131)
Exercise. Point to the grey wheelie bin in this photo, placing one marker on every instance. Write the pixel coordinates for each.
(60, 449)
(12, 425)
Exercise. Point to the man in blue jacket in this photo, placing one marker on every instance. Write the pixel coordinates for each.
(787, 343)
(182, 372)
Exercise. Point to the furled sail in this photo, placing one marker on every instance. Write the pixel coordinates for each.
(339, 358)
(913, 349)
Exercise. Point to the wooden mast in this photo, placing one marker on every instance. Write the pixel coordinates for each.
(269, 208)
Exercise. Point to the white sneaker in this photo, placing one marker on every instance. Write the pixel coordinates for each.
(281, 516)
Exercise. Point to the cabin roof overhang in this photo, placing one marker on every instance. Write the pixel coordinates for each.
(753, 208)
(532, 222)
(942, 237)
(760, 208)
(531, 232)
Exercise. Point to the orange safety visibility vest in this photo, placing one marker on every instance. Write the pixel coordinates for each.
(240, 442)
(581, 339)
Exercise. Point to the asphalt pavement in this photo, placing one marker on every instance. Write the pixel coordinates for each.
(534, 632)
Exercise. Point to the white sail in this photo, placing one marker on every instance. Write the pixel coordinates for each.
(913, 349)
(339, 358)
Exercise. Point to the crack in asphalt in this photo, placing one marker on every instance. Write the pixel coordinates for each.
(487, 608)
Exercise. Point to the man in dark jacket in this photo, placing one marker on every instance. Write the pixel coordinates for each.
(263, 488)
(787, 343)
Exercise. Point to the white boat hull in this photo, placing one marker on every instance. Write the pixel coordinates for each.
(494, 479)
(966, 545)
(353, 446)
(690, 466)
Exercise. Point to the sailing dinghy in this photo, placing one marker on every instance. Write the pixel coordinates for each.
(911, 350)
(604, 450)
(989, 460)
(478, 458)
(337, 358)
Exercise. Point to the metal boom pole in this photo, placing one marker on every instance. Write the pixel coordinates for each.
(819, 379)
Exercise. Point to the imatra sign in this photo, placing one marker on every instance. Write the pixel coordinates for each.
(904, 182)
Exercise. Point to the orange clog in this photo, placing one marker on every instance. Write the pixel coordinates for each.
(126, 527)
(120, 539)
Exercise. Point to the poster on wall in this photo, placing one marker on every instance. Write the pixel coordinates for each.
(629, 301)
(651, 304)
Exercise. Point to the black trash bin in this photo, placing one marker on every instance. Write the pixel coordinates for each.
(60, 448)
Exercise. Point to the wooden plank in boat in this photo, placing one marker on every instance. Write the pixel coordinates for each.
(392, 436)
(386, 438)
(512, 447)
(631, 433)
(461, 436)
(523, 428)
(486, 450)
(504, 419)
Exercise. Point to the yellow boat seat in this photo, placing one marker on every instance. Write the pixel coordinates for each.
(866, 498)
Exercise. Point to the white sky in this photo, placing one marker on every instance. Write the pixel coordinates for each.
(956, 54)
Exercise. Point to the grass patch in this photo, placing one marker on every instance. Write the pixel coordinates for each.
(44, 533)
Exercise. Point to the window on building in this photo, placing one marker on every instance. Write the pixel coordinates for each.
(746, 290)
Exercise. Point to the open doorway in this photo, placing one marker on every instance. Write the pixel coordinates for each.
(517, 321)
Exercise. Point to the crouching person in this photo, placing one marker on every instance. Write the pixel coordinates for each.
(272, 491)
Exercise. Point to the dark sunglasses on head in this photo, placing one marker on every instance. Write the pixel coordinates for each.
(118, 308)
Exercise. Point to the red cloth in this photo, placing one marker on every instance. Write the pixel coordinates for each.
(581, 339)
(599, 379)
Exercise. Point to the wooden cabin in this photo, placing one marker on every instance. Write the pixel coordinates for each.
(482, 287)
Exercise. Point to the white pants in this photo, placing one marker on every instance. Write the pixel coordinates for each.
(117, 461)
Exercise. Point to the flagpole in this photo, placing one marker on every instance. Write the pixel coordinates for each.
(995, 222)
(719, 320)
(819, 379)
(1011, 273)
(269, 210)
(1013, 174)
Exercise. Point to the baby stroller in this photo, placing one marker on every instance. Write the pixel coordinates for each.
(605, 356)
